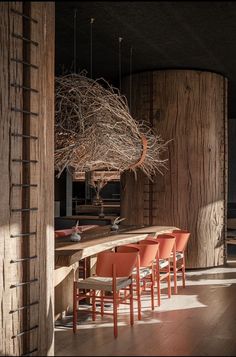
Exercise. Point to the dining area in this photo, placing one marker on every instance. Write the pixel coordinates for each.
(199, 320)
(131, 294)
(117, 267)
(118, 167)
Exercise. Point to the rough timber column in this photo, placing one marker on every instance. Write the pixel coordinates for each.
(27, 178)
(189, 107)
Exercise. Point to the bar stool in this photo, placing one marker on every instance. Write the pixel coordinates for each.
(113, 274)
(163, 268)
(144, 272)
(181, 237)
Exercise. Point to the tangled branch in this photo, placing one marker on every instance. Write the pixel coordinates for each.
(94, 130)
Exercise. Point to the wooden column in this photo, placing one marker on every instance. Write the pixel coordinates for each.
(27, 172)
(69, 193)
(136, 204)
(232, 162)
(187, 107)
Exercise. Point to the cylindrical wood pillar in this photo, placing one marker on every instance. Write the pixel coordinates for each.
(27, 175)
(187, 107)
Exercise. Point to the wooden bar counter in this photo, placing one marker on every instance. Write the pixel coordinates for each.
(68, 254)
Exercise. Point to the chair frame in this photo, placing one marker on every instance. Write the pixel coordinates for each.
(165, 270)
(179, 264)
(114, 298)
(147, 280)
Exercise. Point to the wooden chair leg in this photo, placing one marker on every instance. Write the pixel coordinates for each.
(152, 290)
(75, 307)
(138, 290)
(102, 303)
(183, 272)
(131, 305)
(175, 277)
(158, 285)
(93, 305)
(115, 313)
(169, 282)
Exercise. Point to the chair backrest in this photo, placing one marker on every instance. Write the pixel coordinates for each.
(147, 251)
(167, 242)
(182, 237)
(123, 263)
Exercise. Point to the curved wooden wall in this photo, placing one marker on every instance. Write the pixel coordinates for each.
(188, 107)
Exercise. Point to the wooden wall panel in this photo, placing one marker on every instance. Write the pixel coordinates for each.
(189, 107)
(16, 271)
(232, 161)
(4, 187)
(26, 261)
(11, 172)
(136, 205)
(132, 198)
(45, 219)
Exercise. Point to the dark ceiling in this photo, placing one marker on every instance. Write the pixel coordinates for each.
(163, 34)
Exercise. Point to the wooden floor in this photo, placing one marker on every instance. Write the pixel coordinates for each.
(199, 321)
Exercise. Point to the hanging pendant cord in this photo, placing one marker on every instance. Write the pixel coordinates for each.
(91, 46)
(130, 78)
(75, 23)
(120, 39)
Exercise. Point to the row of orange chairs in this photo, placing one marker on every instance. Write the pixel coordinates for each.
(122, 276)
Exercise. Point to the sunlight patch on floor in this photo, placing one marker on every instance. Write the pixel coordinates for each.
(176, 303)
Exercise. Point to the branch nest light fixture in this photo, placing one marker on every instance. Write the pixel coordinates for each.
(94, 130)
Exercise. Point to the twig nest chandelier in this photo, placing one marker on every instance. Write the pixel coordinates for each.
(95, 131)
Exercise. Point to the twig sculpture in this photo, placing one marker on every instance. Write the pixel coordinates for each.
(95, 130)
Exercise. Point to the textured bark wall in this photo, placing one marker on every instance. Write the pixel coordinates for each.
(188, 107)
(27, 173)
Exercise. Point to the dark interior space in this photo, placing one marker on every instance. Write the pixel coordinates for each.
(162, 34)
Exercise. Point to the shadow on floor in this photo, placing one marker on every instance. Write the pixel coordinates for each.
(199, 321)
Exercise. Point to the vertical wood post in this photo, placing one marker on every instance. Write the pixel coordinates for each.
(69, 193)
(189, 107)
(27, 172)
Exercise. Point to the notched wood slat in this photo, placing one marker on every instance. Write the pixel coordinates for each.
(25, 331)
(24, 15)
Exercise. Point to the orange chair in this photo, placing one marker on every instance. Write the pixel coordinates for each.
(163, 267)
(144, 273)
(113, 273)
(173, 266)
(181, 237)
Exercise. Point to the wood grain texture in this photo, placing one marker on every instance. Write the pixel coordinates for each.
(135, 192)
(16, 197)
(132, 198)
(64, 298)
(5, 328)
(232, 160)
(9, 148)
(44, 13)
(89, 217)
(189, 107)
(69, 253)
(225, 157)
